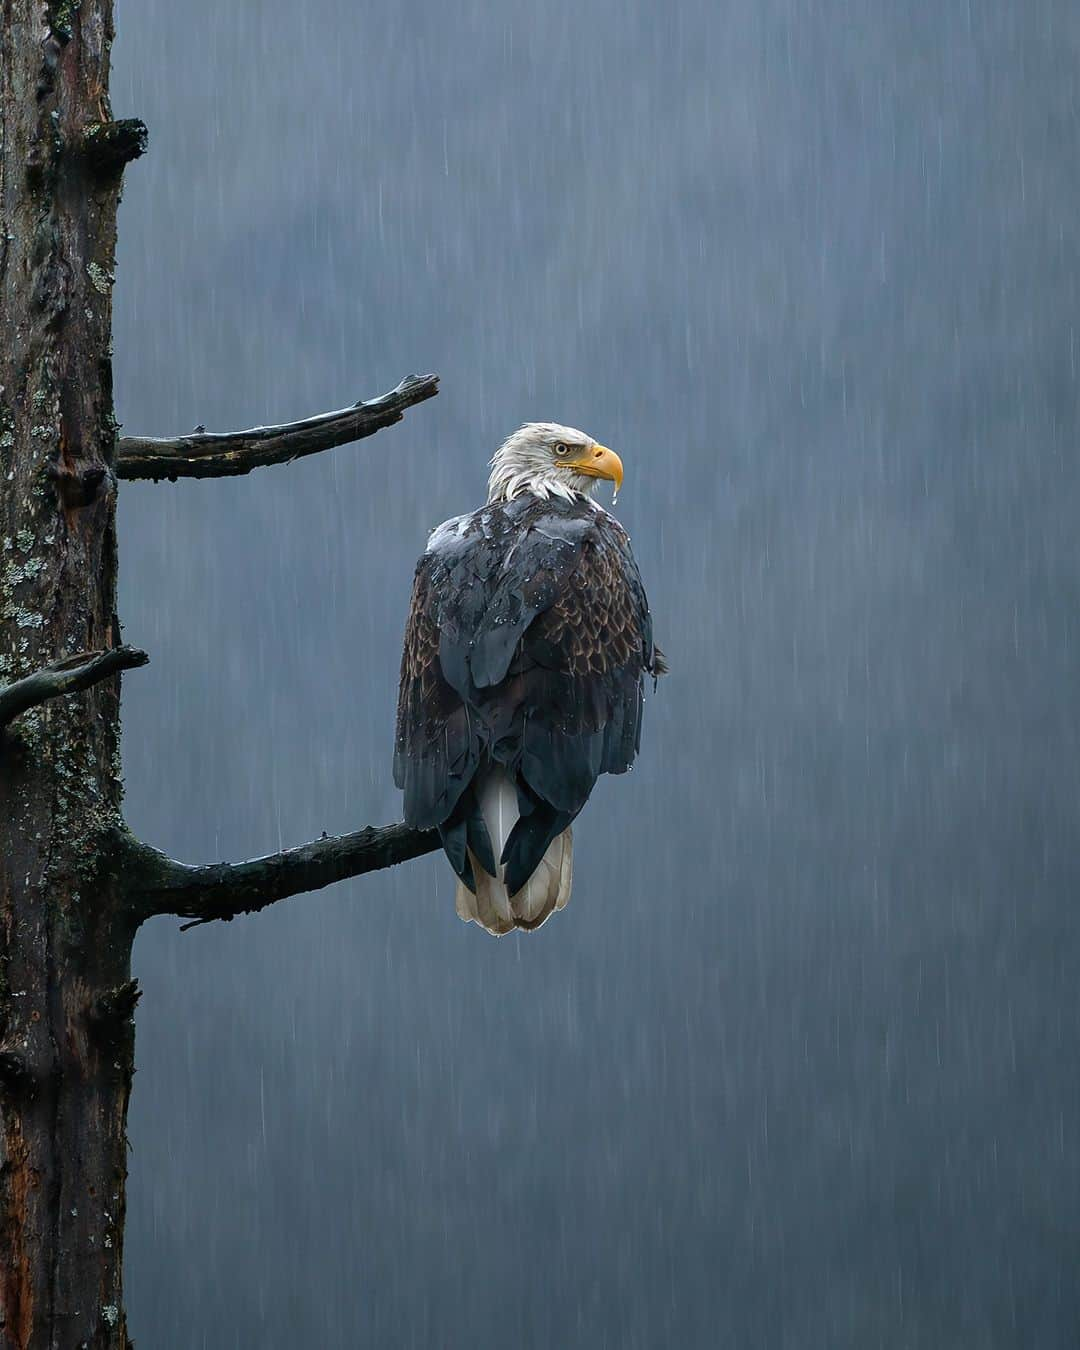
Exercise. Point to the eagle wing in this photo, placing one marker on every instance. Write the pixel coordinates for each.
(581, 663)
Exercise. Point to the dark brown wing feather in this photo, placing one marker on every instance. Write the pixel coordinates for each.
(436, 751)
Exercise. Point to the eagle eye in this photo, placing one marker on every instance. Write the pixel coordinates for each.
(562, 449)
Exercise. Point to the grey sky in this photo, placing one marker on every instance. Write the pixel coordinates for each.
(797, 1066)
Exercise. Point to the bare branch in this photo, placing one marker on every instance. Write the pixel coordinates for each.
(160, 885)
(66, 677)
(207, 454)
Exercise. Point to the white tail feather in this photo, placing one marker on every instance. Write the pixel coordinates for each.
(547, 890)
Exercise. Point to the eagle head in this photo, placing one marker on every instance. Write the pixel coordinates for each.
(547, 459)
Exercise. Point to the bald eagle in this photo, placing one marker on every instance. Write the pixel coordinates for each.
(526, 648)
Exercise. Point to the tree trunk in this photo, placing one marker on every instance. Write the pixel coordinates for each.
(66, 1031)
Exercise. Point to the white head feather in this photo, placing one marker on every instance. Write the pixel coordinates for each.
(541, 458)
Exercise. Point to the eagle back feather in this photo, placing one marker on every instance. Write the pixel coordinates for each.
(526, 647)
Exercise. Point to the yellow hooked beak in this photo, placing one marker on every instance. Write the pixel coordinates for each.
(599, 462)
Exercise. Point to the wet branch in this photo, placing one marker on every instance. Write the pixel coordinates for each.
(66, 677)
(160, 885)
(208, 454)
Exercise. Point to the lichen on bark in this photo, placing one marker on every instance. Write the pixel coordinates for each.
(64, 936)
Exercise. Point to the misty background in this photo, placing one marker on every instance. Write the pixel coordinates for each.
(798, 1065)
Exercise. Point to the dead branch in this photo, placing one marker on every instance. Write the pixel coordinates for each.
(160, 885)
(208, 454)
(108, 146)
(66, 677)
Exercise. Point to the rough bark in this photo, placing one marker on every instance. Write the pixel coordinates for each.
(66, 1038)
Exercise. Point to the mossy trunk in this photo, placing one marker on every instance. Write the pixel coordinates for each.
(66, 1038)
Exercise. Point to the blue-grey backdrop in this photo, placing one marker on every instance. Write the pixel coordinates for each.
(797, 1067)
